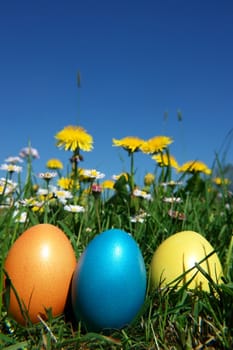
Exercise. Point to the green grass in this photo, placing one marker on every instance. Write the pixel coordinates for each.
(169, 319)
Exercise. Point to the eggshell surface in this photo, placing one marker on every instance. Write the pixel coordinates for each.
(109, 283)
(40, 265)
(179, 253)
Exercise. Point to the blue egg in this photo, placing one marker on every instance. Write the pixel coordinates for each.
(109, 282)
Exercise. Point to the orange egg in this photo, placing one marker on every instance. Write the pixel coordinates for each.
(40, 265)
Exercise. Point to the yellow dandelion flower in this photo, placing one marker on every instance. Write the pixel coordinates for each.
(219, 181)
(54, 164)
(66, 183)
(37, 209)
(74, 138)
(155, 144)
(166, 160)
(45, 197)
(129, 143)
(195, 167)
(108, 185)
(1, 189)
(149, 178)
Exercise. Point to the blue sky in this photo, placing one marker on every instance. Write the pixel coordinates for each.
(138, 60)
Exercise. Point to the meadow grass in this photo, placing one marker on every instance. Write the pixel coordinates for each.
(170, 318)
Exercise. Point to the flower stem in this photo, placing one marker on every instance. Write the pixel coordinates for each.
(131, 154)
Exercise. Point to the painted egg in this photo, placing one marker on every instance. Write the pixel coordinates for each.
(109, 283)
(178, 254)
(40, 265)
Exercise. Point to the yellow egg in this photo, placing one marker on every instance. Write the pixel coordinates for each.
(178, 254)
(40, 265)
